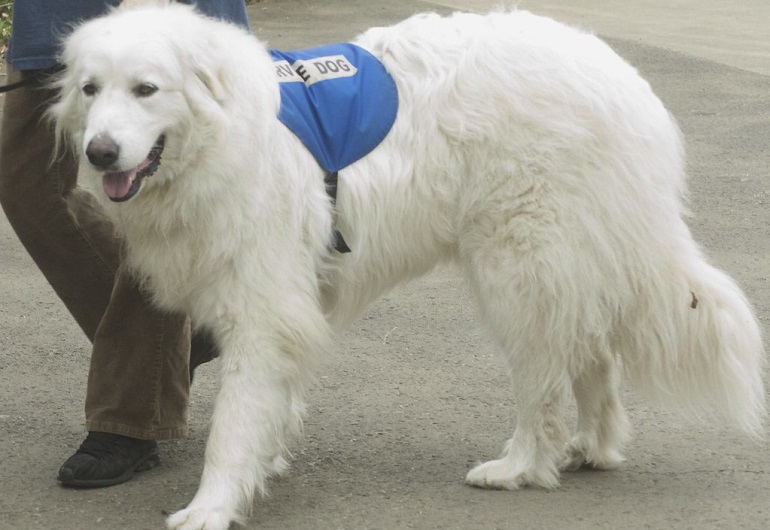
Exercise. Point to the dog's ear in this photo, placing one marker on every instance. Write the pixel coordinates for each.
(213, 80)
(212, 64)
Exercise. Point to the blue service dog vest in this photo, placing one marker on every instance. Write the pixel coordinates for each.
(339, 100)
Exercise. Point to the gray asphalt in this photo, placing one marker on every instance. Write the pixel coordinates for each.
(414, 396)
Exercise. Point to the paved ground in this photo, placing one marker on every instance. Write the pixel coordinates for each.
(414, 396)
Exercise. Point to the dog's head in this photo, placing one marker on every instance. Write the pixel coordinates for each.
(143, 90)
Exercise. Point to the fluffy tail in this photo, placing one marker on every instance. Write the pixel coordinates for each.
(692, 340)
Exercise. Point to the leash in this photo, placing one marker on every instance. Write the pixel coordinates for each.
(330, 179)
(31, 80)
(36, 77)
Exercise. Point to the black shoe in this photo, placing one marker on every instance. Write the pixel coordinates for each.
(106, 459)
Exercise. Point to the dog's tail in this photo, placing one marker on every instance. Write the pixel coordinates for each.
(691, 339)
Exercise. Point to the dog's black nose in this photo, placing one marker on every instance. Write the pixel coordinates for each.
(102, 151)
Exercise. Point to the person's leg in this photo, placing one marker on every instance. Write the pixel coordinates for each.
(61, 226)
(138, 387)
(157, 345)
(139, 382)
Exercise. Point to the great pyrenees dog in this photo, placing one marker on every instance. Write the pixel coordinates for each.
(525, 151)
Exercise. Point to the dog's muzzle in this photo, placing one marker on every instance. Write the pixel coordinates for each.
(103, 153)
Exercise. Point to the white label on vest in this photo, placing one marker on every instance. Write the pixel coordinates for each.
(310, 71)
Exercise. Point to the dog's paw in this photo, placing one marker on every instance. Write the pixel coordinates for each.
(579, 457)
(574, 460)
(199, 519)
(505, 475)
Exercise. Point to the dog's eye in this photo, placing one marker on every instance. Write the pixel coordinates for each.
(144, 90)
(89, 89)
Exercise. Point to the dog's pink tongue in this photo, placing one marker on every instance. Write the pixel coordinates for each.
(117, 185)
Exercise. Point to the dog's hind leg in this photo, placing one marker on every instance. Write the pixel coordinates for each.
(531, 456)
(603, 426)
(515, 311)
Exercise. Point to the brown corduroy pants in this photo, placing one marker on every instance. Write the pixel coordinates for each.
(138, 383)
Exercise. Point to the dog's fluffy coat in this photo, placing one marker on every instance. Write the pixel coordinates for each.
(525, 151)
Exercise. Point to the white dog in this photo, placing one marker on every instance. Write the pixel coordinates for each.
(523, 150)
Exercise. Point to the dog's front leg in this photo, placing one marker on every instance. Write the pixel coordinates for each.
(258, 408)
